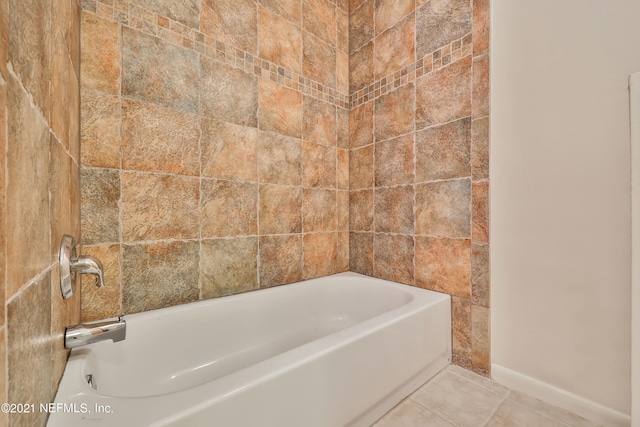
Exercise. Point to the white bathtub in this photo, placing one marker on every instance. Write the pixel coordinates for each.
(334, 351)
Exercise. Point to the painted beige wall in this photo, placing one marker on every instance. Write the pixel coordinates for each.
(560, 198)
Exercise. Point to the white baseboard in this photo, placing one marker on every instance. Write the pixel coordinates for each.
(561, 398)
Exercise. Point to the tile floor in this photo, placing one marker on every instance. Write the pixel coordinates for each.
(457, 397)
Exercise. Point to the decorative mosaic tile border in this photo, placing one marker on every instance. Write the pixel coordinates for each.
(446, 55)
(179, 34)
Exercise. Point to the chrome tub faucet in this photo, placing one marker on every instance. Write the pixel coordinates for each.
(114, 329)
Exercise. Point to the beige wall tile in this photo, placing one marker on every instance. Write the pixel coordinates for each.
(60, 85)
(394, 113)
(361, 29)
(319, 210)
(480, 148)
(443, 208)
(342, 262)
(361, 125)
(393, 257)
(183, 11)
(361, 210)
(342, 127)
(280, 41)
(159, 139)
(342, 22)
(279, 159)
(480, 94)
(289, 9)
(158, 206)
(361, 68)
(481, 31)
(319, 165)
(443, 265)
(231, 21)
(101, 59)
(480, 356)
(280, 210)
(395, 48)
(228, 266)
(59, 190)
(99, 200)
(229, 151)
(361, 168)
(480, 275)
(318, 60)
(280, 260)
(228, 208)
(27, 224)
(280, 109)
(343, 211)
(389, 12)
(394, 209)
(361, 253)
(343, 169)
(100, 303)
(444, 95)
(159, 275)
(319, 18)
(480, 212)
(320, 254)
(444, 152)
(461, 329)
(342, 72)
(440, 23)
(100, 129)
(228, 94)
(394, 161)
(319, 121)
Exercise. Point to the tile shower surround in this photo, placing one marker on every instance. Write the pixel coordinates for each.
(353, 165)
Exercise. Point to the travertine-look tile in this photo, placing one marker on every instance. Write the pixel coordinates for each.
(159, 275)
(480, 343)
(59, 190)
(480, 148)
(228, 208)
(228, 94)
(319, 18)
(29, 47)
(441, 22)
(389, 12)
(280, 210)
(27, 225)
(480, 275)
(361, 68)
(395, 48)
(159, 139)
(480, 84)
(480, 212)
(319, 165)
(101, 61)
(342, 22)
(394, 113)
(342, 72)
(59, 85)
(342, 262)
(279, 159)
(444, 95)
(361, 210)
(319, 121)
(3, 178)
(170, 82)
(394, 161)
(361, 125)
(318, 60)
(184, 11)
(444, 265)
(481, 26)
(320, 254)
(343, 211)
(393, 257)
(228, 266)
(100, 129)
(343, 169)
(361, 168)
(443, 208)
(280, 109)
(229, 151)
(29, 350)
(319, 210)
(361, 253)
(361, 29)
(394, 209)
(343, 127)
(289, 9)
(280, 41)
(74, 117)
(458, 400)
(411, 414)
(158, 206)
(100, 197)
(231, 21)
(67, 14)
(101, 303)
(280, 260)
(354, 4)
(511, 413)
(444, 152)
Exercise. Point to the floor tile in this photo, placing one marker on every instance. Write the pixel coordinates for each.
(551, 411)
(511, 413)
